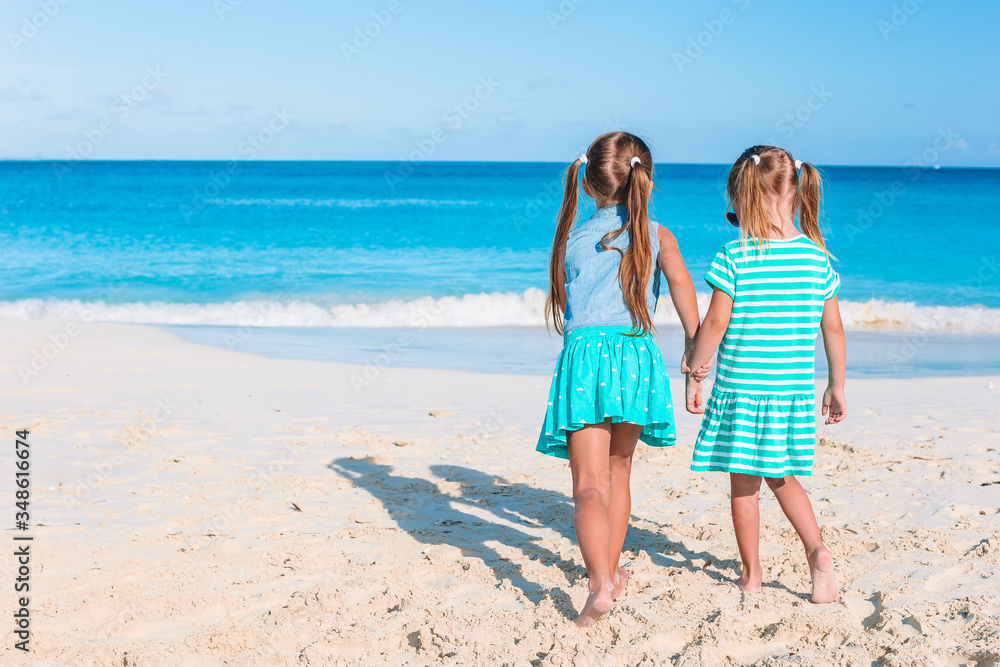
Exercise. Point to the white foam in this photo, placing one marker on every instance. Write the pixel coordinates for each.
(345, 203)
(470, 310)
(906, 316)
(874, 315)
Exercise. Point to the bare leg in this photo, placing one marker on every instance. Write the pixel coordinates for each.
(795, 504)
(589, 450)
(624, 437)
(744, 502)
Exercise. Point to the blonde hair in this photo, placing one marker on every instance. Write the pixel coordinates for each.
(611, 177)
(773, 176)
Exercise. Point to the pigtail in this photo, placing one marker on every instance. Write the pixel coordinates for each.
(810, 195)
(637, 260)
(747, 192)
(564, 224)
(637, 263)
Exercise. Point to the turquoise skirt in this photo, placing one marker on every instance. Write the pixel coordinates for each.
(603, 374)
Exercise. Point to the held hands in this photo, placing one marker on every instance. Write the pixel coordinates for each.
(692, 380)
(692, 391)
(700, 373)
(834, 403)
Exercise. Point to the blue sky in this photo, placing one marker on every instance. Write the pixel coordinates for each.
(851, 82)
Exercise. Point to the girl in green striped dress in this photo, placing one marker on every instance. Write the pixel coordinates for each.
(774, 290)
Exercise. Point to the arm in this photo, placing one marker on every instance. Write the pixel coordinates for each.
(709, 336)
(561, 279)
(835, 344)
(713, 328)
(680, 285)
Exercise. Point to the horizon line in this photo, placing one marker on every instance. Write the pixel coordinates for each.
(317, 160)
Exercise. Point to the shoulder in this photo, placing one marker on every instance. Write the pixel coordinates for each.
(806, 246)
(731, 249)
(581, 226)
(665, 239)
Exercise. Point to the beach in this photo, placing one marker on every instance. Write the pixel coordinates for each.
(194, 505)
(279, 315)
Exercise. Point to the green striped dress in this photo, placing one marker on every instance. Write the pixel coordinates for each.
(761, 416)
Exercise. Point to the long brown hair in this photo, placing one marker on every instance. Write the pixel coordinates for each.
(612, 178)
(774, 177)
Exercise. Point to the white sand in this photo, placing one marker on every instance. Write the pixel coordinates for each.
(165, 475)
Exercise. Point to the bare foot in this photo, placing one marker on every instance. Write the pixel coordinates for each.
(623, 577)
(748, 584)
(824, 579)
(598, 604)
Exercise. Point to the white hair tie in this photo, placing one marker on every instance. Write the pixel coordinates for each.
(756, 158)
(798, 165)
(583, 159)
(634, 161)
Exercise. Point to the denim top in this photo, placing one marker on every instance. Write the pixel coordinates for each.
(593, 294)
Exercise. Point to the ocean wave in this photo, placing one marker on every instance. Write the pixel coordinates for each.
(346, 203)
(470, 310)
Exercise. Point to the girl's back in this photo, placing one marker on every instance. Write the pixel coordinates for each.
(778, 292)
(593, 294)
(774, 290)
(609, 387)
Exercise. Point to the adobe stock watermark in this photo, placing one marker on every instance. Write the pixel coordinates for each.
(34, 23)
(223, 8)
(714, 28)
(795, 120)
(898, 17)
(551, 193)
(259, 315)
(426, 146)
(233, 510)
(552, 190)
(82, 488)
(914, 168)
(247, 150)
(493, 423)
(121, 109)
(371, 30)
(963, 295)
(56, 342)
(391, 350)
(263, 311)
(561, 14)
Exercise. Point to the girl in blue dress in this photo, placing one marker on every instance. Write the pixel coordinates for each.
(610, 388)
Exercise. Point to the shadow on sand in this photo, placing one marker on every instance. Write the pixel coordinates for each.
(419, 507)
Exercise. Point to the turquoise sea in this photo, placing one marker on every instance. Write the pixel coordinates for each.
(334, 260)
